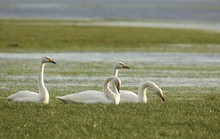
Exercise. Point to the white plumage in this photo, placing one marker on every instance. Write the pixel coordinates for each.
(128, 96)
(28, 96)
(93, 96)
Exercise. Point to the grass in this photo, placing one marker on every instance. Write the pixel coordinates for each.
(189, 111)
(29, 36)
(174, 119)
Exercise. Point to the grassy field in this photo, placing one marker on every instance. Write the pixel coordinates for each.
(29, 36)
(189, 111)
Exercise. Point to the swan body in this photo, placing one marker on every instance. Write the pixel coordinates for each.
(128, 96)
(93, 96)
(28, 96)
(87, 97)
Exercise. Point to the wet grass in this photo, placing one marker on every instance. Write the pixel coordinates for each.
(190, 111)
(33, 36)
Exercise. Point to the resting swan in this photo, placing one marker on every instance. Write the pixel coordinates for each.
(27, 96)
(93, 96)
(128, 96)
(118, 66)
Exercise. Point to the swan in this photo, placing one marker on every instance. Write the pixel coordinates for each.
(128, 96)
(118, 66)
(93, 96)
(28, 96)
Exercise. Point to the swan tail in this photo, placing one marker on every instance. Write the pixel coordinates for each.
(9, 99)
(63, 99)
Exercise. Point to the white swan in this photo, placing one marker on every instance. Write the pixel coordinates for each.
(27, 96)
(118, 66)
(128, 96)
(92, 96)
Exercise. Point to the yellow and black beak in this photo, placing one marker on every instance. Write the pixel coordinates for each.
(161, 96)
(51, 61)
(125, 67)
(118, 88)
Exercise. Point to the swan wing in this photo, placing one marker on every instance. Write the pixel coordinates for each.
(24, 96)
(86, 97)
(128, 96)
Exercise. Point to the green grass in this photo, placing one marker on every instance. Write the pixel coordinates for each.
(33, 36)
(173, 119)
(189, 111)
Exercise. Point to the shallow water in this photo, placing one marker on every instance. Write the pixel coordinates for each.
(130, 78)
(193, 10)
(196, 14)
(211, 26)
(149, 58)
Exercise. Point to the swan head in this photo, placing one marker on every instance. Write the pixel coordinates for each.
(47, 59)
(160, 94)
(121, 65)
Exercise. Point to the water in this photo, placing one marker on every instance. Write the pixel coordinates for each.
(191, 10)
(150, 58)
(130, 78)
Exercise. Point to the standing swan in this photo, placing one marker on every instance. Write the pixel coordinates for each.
(27, 96)
(128, 96)
(92, 96)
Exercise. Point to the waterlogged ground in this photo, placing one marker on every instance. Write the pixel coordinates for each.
(175, 73)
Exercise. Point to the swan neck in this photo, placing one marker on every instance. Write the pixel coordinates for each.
(44, 96)
(106, 88)
(142, 94)
(113, 96)
(41, 76)
(115, 72)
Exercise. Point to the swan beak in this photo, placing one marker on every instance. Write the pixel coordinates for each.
(162, 98)
(52, 61)
(125, 67)
(118, 88)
